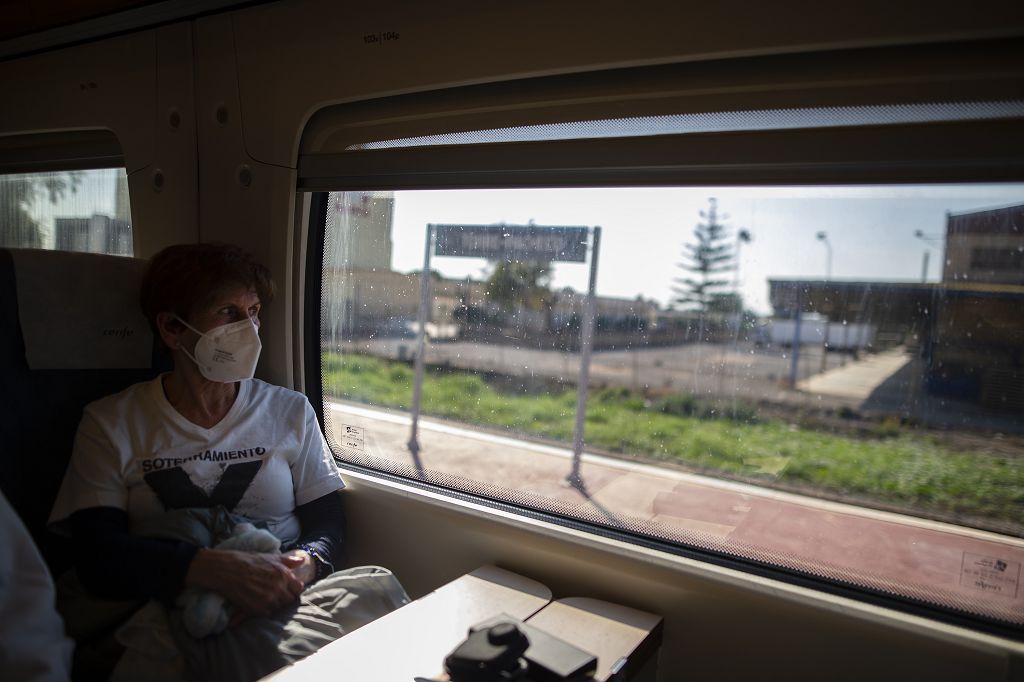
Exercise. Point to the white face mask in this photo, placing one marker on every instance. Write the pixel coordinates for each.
(227, 353)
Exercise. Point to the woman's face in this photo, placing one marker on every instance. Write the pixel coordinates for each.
(229, 306)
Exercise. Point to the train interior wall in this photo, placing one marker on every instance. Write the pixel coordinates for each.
(209, 114)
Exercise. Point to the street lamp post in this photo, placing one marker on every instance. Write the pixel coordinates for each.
(929, 240)
(742, 237)
(823, 238)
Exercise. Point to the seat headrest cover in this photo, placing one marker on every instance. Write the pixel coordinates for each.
(81, 310)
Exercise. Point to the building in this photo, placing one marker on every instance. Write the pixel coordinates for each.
(985, 246)
(360, 223)
(977, 339)
(968, 328)
(96, 234)
(898, 311)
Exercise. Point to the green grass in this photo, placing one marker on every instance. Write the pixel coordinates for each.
(894, 466)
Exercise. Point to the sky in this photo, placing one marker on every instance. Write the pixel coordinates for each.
(870, 231)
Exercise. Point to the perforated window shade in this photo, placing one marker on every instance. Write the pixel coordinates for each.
(924, 114)
(925, 153)
(77, 150)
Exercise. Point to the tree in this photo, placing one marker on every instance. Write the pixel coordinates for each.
(435, 275)
(730, 306)
(725, 303)
(517, 284)
(709, 256)
(18, 193)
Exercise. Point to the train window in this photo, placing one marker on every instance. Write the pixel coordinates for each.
(75, 210)
(827, 380)
(727, 310)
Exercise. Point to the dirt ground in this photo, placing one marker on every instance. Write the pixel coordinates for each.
(756, 377)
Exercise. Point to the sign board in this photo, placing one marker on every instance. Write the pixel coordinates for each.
(534, 243)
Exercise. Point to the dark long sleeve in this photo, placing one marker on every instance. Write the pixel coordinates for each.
(114, 564)
(323, 527)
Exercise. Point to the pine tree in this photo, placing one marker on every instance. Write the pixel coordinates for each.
(708, 257)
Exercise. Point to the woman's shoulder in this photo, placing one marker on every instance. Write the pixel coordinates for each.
(128, 399)
(281, 397)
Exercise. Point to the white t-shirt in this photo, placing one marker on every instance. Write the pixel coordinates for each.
(33, 646)
(135, 452)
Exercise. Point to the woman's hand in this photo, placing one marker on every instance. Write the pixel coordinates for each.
(302, 565)
(253, 582)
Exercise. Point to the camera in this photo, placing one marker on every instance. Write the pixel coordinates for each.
(503, 649)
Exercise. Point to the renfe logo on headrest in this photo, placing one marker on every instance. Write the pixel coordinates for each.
(122, 333)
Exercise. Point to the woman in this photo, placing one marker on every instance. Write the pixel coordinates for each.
(205, 434)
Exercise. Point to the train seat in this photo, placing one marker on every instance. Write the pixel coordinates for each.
(71, 332)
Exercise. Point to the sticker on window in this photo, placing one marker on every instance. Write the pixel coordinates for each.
(352, 437)
(991, 575)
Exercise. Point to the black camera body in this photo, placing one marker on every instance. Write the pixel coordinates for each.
(503, 649)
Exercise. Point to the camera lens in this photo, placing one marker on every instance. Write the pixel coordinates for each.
(503, 633)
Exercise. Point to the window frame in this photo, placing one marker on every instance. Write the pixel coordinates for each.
(722, 559)
(973, 151)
